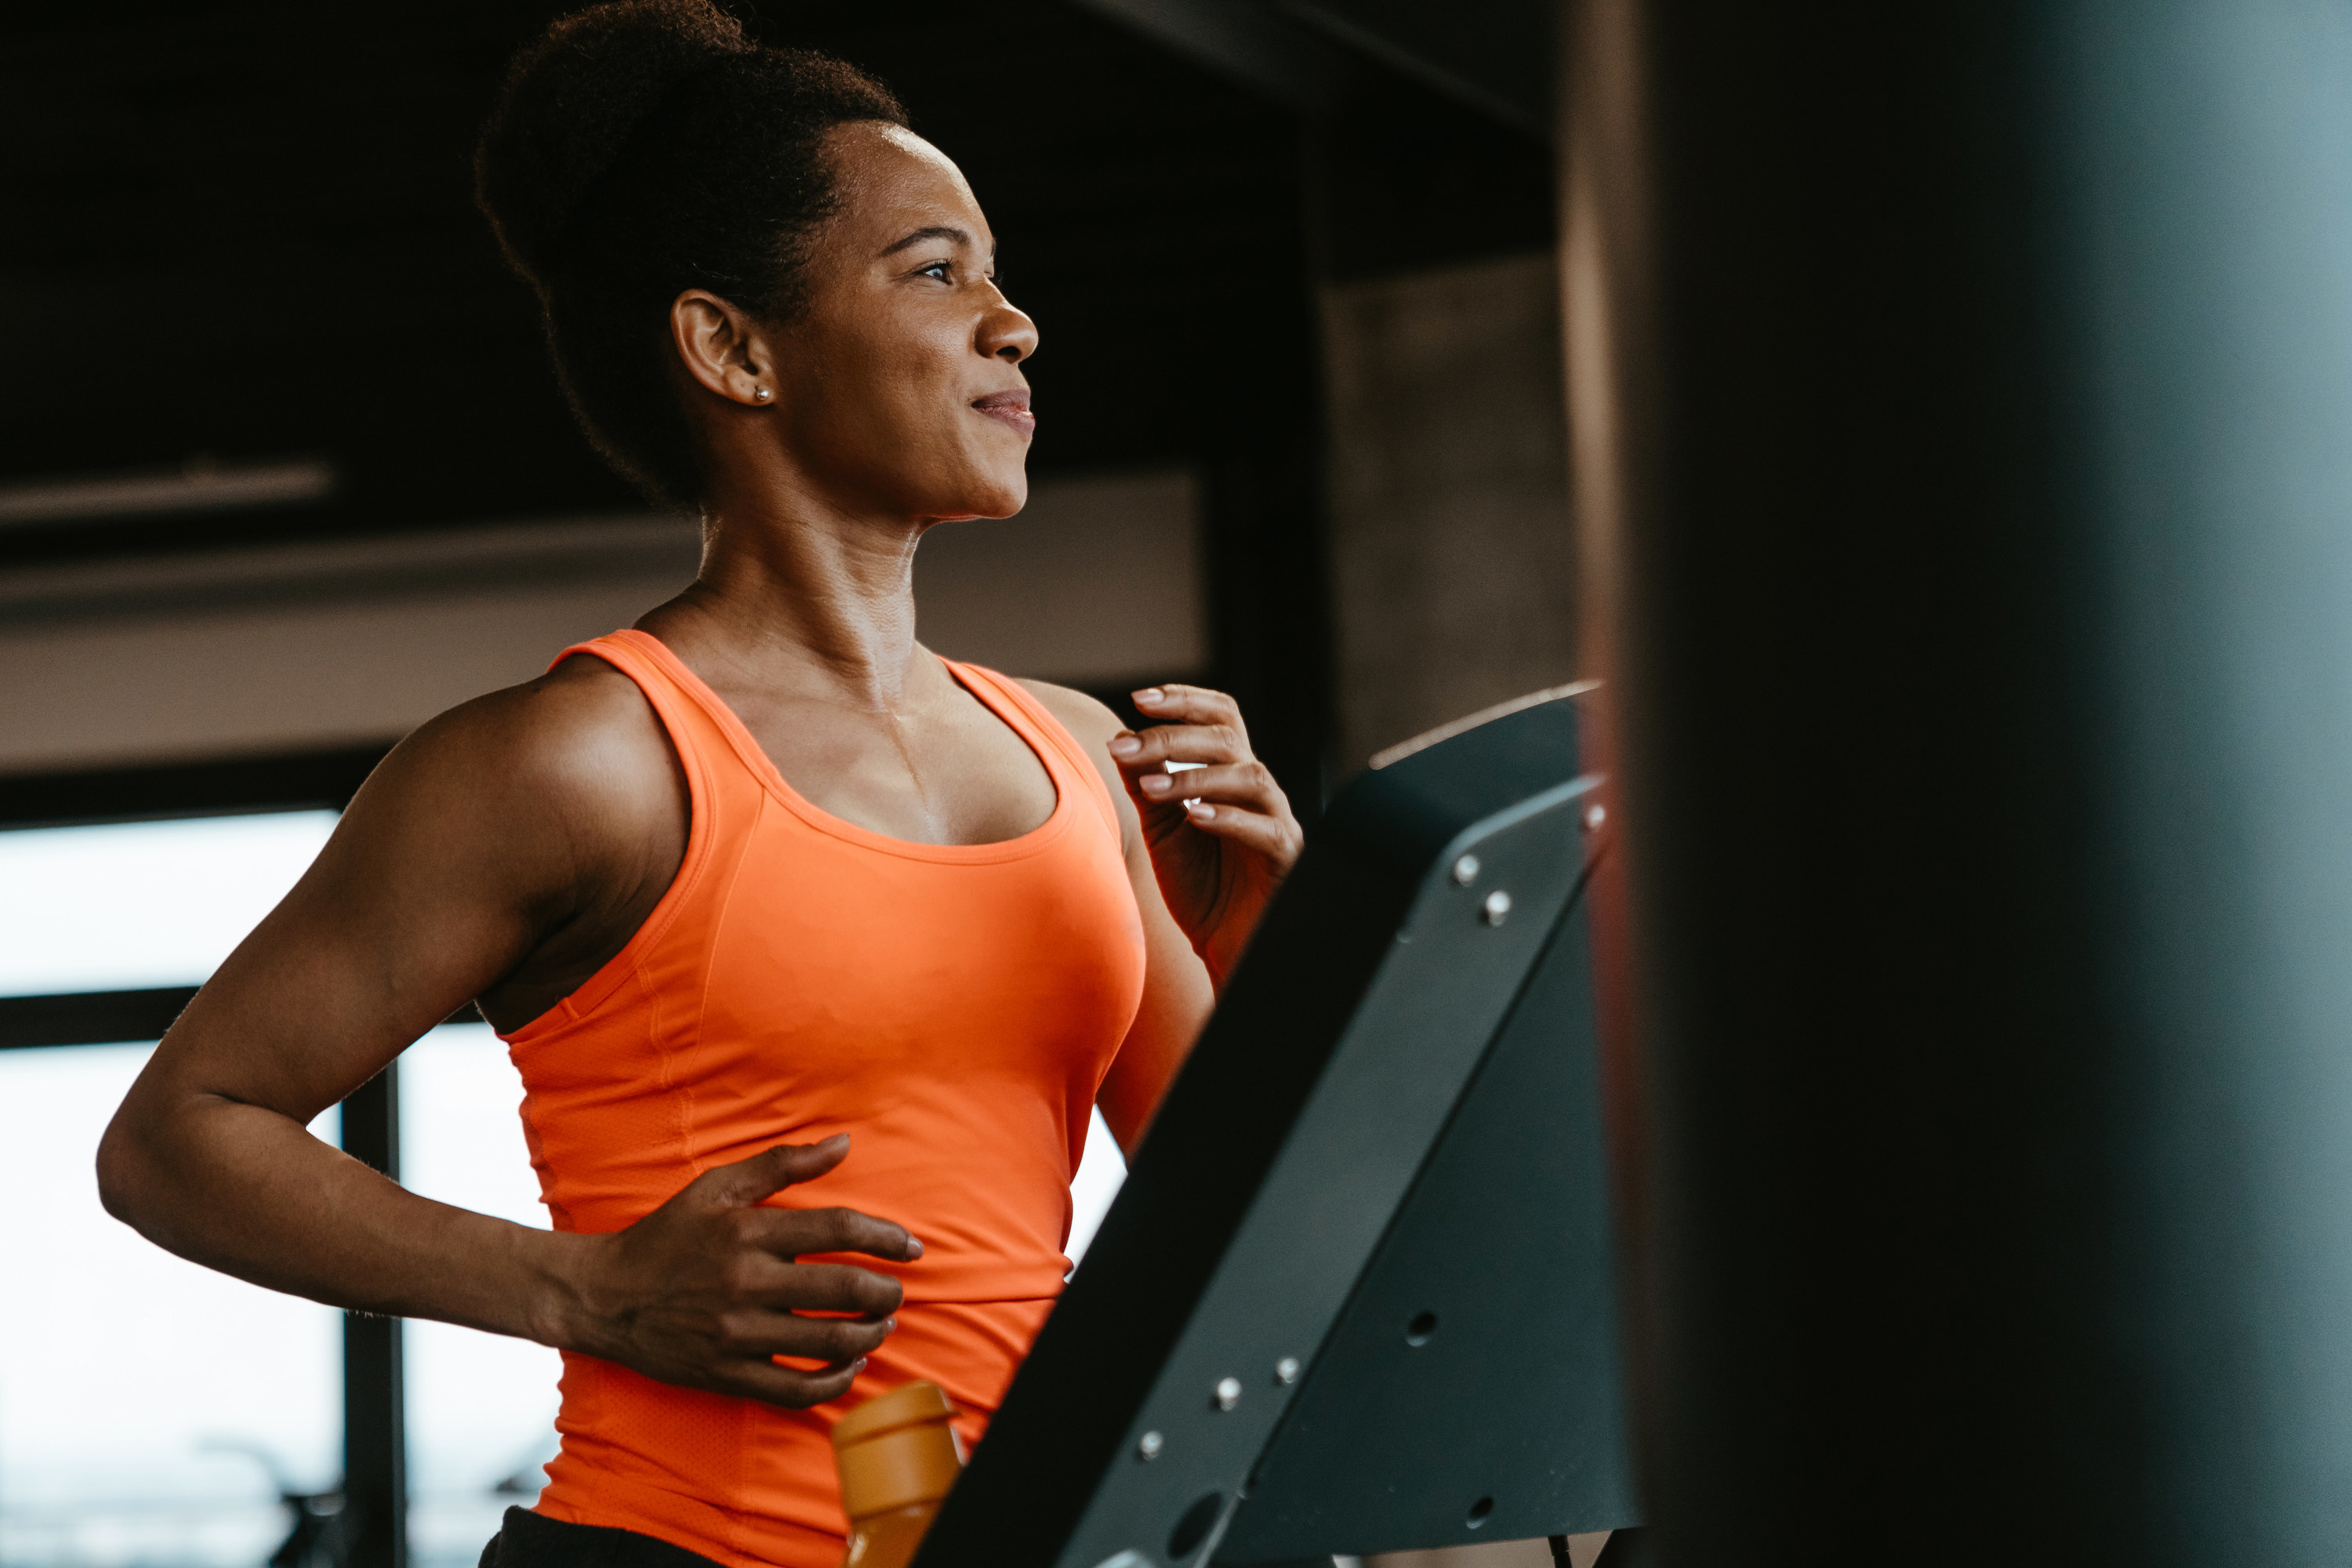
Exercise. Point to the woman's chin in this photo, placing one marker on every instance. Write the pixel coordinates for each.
(999, 496)
(991, 492)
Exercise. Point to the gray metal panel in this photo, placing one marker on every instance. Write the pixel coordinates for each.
(1472, 1389)
(1349, 1160)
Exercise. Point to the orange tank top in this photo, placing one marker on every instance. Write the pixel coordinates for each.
(952, 1007)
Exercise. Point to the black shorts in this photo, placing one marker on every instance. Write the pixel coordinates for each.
(528, 1540)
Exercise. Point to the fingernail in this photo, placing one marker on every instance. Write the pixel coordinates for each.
(1157, 783)
(1151, 694)
(1200, 811)
(888, 1324)
(914, 1248)
(857, 1366)
(1126, 746)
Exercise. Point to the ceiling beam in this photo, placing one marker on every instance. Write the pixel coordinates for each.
(202, 486)
(1308, 54)
(1253, 43)
(1497, 61)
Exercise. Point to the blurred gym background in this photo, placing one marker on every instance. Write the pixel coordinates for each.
(283, 472)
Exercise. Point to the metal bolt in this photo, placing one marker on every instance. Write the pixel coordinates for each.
(1594, 816)
(1466, 871)
(1229, 1392)
(1286, 1371)
(1148, 1447)
(1498, 907)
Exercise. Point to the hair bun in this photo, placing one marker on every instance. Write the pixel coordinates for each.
(643, 149)
(573, 100)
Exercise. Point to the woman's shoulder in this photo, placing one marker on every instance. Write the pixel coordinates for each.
(572, 761)
(1084, 717)
(583, 726)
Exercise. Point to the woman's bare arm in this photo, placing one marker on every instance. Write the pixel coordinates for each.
(1258, 838)
(500, 852)
(1177, 1000)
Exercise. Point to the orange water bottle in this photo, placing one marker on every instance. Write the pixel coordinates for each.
(897, 1458)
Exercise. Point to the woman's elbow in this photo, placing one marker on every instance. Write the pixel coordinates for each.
(123, 1161)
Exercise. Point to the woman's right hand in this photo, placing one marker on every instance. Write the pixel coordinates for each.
(706, 1290)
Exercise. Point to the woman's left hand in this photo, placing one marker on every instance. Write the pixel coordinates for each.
(1221, 834)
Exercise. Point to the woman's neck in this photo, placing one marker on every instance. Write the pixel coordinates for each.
(805, 595)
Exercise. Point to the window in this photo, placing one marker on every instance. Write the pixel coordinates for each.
(151, 1411)
(481, 1407)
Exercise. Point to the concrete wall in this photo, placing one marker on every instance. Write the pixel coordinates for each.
(298, 646)
(1453, 578)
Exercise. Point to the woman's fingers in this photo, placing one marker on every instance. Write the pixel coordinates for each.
(1275, 838)
(1196, 725)
(761, 1278)
(768, 1171)
(1190, 765)
(1190, 705)
(1249, 785)
(787, 1386)
(794, 1233)
(834, 1341)
(1218, 784)
(821, 1288)
(708, 1289)
(1180, 743)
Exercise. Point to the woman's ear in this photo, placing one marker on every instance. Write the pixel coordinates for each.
(722, 349)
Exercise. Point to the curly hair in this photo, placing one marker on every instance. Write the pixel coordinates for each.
(647, 147)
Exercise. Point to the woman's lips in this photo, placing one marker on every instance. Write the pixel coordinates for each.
(1010, 408)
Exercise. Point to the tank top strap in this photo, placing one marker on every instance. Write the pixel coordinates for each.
(666, 685)
(1028, 714)
(722, 804)
(695, 732)
(721, 779)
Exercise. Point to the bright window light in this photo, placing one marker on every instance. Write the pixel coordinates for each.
(481, 1407)
(144, 1402)
(128, 906)
(1100, 1174)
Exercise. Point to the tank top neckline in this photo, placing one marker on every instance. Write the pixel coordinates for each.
(761, 767)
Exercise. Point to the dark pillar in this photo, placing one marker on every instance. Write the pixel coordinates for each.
(1268, 611)
(1264, 508)
(1962, 393)
(375, 1486)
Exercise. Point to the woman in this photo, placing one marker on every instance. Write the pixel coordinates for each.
(806, 943)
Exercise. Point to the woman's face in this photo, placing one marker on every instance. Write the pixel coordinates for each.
(900, 388)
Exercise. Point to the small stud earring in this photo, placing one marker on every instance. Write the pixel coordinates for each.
(760, 393)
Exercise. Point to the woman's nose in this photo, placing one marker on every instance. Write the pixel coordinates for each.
(1008, 333)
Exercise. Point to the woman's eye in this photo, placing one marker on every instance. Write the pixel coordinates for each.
(937, 270)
